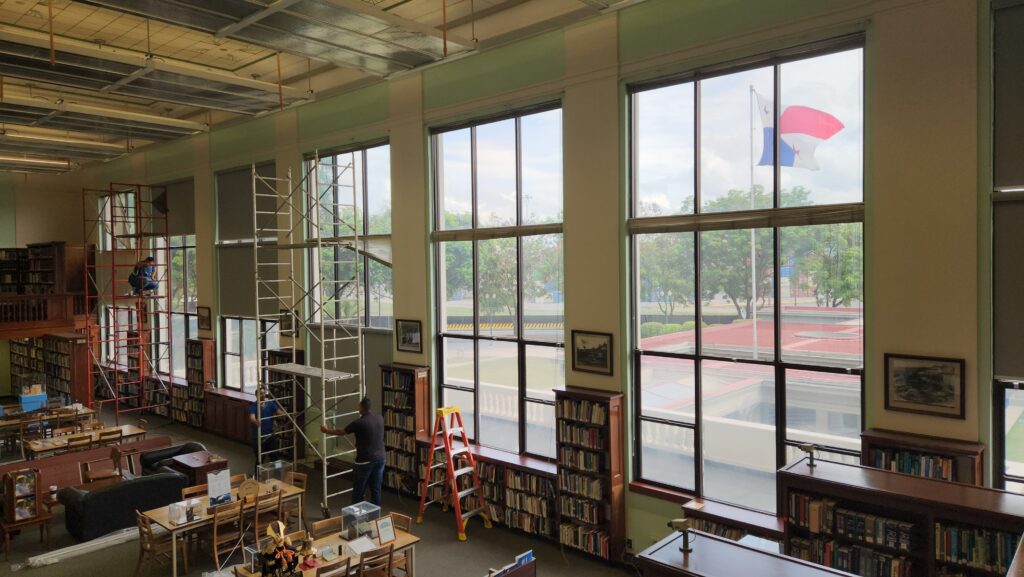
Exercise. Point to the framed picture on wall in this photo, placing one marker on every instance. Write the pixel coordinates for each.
(592, 352)
(204, 319)
(924, 385)
(408, 336)
(287, 323)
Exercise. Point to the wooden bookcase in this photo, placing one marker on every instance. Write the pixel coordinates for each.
(27, 363)
(934, 457)
(405, 406)
(227, 414)
(911, 518)
(200, 369)
(289, 391)
(179, 401)
(732, 522)
(530, 500)
(591, 481)
(13, 263)
(55, 268)
(66, 357)
(23, 490)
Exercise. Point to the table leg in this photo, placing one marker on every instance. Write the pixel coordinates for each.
(174, 554)
(7, 545)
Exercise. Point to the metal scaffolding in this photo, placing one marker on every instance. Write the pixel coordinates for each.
(128, 331)
(314, 221)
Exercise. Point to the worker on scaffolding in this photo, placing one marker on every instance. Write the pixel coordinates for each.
(141, 277)
(263, 425)
(370, 455)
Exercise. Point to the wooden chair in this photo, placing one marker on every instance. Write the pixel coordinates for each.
(109, 438)
(226, 530)
(196, 491)
(340, 569)
(376, 562)
(100, 469)
(291, 508)
(329, 526)
(63, 431)
(400, 560)
(91, 425)
(154, 547)
(236, 480)
(267, 510)
(79, 442)
(31, 430)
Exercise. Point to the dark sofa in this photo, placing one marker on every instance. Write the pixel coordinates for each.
(152, 461)
(92, 514)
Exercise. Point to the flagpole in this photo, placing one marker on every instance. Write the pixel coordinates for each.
(753, 251)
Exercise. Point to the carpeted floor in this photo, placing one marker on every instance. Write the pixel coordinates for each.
(439, 554)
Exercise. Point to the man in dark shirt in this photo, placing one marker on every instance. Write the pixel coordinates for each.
(264, 423)
(369, 465)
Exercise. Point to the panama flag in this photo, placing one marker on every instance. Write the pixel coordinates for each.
(801, 129)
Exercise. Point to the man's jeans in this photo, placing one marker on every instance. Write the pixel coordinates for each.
(368, 475)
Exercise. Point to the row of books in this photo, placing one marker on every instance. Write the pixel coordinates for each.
(719, 529)
(528, 523)
(863, 561)
(404, 381)
(582, 459)
(589, 539)
(531, 504)
(583, 411)
(522, 481)
(403, 421)
(914, 463)
(582, 485)
(585, 436)
(824, 516)
(403, 461)
(584, 510)
(400, 440)
(975, 548)
(400, 401)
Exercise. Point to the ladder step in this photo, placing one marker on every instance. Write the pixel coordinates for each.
(468, 491)
(454, 431)
(472, 512)
(460, 451)
(436, 483)
(463, 471)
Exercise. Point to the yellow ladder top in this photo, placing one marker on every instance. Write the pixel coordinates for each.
(445, 411)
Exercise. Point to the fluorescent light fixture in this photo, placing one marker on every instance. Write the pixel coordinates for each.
(1010, 189)
(35, 161)
(61, 140)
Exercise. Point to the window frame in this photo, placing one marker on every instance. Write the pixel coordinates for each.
(262, 332)
(774, 219)
(475, 234)
(187, 245)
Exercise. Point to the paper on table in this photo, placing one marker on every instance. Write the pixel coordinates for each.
(219, 485)
(361, 545)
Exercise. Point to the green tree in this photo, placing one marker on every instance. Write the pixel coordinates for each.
(666, 270)
(497, 276)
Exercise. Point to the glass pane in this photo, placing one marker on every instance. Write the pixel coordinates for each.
(178, 345)
(231, 337)
(454, 180)
(738, 424)
(821, 286)
(667, 389)
(823, 408)
(497, 278)
(1015, 487)
(249, 354)
(380, 305)
(734, 324)
(794, 454)
(665, 289)
(193, 327)
(499, 395)
(545, 371)
(459, 361)
(540, 429)
(543, 288)
(736, 119)
(464, 401)
(177, 271)
(352, 179)
(496, 173)
(456, 278)
(1014, 423)
(821, 126)
(192, 296)
(663, 150)
(378, 188)
(541, 149)
(667, 455)
(231, 371)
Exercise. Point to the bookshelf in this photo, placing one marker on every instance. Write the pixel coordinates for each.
(54, 268)
(591, 484)
(405, 405)
(179, 402)
(530, 502)
(732, 522)
(66, 367)
(13, 263)
(288, 391)
(200, 369)
(866, 520)
(924, 456)
(27, 364)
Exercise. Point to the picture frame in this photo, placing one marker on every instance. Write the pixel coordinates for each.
(408, 336)
(204, 318)
(592, 352)
(925, 385)
(385, 530)
(286, 323)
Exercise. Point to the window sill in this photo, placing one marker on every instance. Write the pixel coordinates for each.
(760, 524)
(521, 462)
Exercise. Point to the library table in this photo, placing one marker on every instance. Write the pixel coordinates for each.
(162, 516)
(720, 557)
(40, 446)
(196, 465)
(404, 543)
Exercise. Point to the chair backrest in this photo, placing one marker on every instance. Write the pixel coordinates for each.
(112, 436)
(236, 480)
(142, 424)
(146, 539)
(227, 514)
(267, 504)
(320, 529)
(296, 479)
(339, 569)
(92, 425)
(376, 562)
(79, 442)
(403, 522)
(63, 431)
(196, 491)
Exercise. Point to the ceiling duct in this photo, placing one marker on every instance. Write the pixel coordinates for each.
(12, 143)
(348, 33)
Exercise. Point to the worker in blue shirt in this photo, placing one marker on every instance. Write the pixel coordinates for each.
(265, 424)
(141, 278)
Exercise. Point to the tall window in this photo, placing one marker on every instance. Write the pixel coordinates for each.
(748, 326)
(239, 350)
(184, 300)
(499, 272)
(362, 177)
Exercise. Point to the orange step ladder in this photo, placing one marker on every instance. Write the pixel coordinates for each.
(447, 426)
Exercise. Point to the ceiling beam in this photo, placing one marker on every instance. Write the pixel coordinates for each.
(62, 106)
(253, 18)
(360, 7)
(484, 13)
(10, 136)
(139, 73)
(596, 4)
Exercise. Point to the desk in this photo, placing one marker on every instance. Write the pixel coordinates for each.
(161, 516)
(40, 446)
(15, 421)
(42, 519)
(196, 465)
(722, 557)
(404, 542)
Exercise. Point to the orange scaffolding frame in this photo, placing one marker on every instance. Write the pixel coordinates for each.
(128, 331)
